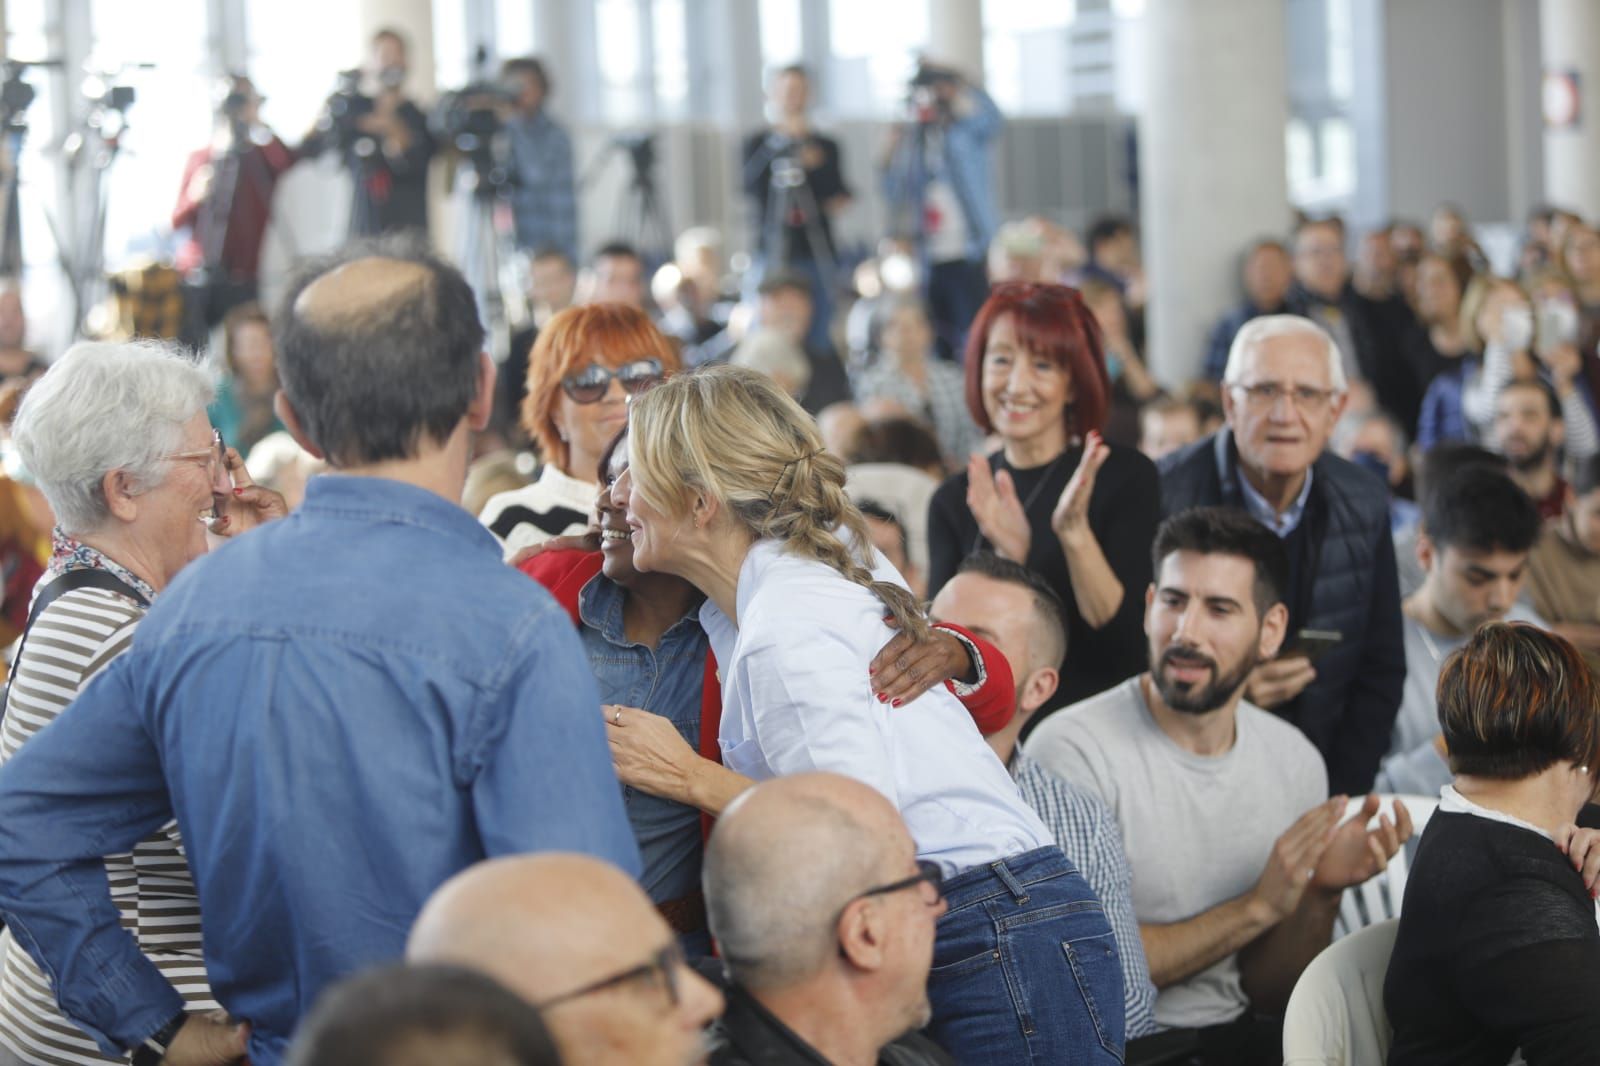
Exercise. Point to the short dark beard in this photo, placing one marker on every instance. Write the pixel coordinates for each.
(1206, 698)
(1533, 461)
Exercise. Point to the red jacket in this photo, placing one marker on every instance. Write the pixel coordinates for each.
(565, 571)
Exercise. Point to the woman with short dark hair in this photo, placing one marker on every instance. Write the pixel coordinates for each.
(1055, 497)
(1497, 947)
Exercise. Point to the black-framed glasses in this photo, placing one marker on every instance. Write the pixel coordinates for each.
(662, 967)
(590, 384)
(927, 873)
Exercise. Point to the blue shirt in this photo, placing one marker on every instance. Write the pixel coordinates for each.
(342, 709)
(964, 163)
(1267, 515)
(544, 200)
(668, 681)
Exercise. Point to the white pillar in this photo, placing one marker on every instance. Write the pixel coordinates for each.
(1569, 35)
(955, 35)
(1212, 164)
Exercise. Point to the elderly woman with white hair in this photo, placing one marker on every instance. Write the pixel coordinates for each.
(117, 437)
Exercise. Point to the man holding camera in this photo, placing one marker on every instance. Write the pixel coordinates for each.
(793, 177)
(936, 180)
(384, 140)
(224, 203)
(544, 197)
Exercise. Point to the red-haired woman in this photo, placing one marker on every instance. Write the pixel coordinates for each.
(585, 365)
(1055, 497)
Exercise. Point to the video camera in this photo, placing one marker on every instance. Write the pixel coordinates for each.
(108, 104)
(925, 101)
(15, 96)
(343, 108)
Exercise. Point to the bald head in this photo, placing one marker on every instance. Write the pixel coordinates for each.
(379, 351)
(782, 863)
(357, 292)
(542, 924)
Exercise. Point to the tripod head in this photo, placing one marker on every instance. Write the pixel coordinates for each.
(16, 94)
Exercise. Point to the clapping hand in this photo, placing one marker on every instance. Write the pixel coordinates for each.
(1357, 853)
(992, 499)
(1071, 515)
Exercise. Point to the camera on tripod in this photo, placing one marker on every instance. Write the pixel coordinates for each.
(15, 96)
(108, 105)
(469, 120)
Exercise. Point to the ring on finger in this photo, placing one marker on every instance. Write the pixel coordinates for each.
(616, 716)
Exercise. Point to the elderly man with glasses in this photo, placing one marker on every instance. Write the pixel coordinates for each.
(1340, 676)
(578, 939)
(825, 920)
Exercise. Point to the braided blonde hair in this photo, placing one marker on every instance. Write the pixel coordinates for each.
(736, 436)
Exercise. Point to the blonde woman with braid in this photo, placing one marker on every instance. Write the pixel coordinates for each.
(729, 488)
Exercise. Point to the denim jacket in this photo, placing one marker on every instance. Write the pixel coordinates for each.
(965, 160)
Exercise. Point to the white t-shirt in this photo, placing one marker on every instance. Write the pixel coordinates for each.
(796, 696)
(1197, 829)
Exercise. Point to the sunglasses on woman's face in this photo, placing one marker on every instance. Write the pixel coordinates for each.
(590, 384)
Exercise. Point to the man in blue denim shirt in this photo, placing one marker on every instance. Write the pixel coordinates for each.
(937, 182)
(342, 709)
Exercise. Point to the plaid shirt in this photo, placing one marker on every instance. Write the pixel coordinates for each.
(1088, 834)
(545, 200)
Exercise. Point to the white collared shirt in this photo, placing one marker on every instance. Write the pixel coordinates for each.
(1453, 802)
(796, 697)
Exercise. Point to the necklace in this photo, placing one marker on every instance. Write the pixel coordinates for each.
(1027, 504)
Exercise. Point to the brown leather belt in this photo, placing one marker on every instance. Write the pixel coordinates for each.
(686, 914)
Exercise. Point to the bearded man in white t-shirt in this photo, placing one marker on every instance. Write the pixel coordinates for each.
(1238, 856)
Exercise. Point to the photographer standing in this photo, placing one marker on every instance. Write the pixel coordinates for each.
(936, 179)
(544, 198)
(224, 202)
(384, 140)
(792, 174)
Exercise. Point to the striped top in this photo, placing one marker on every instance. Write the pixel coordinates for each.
(75, 638)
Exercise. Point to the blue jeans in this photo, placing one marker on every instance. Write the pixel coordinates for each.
(1025, 967)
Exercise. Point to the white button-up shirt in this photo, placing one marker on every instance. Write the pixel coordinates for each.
(796, 697)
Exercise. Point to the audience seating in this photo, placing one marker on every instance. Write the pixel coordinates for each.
(1378, 899)
(1336, 1015)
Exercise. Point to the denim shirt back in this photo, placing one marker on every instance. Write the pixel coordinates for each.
(667, 681)
(343, 709)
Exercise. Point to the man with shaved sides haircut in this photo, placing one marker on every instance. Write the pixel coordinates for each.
(580, 940)
(825, 921)
(342, 709)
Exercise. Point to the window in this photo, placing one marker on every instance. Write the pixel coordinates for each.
(781, 33)
(619, 44)
(874, 50)
(668, 23)
(1025, 55)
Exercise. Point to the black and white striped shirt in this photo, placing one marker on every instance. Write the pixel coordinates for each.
(75, 638)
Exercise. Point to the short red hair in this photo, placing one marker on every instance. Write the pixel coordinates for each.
(610, 334)
(1051, 321)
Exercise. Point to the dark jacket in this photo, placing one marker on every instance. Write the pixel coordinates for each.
(1497, 949)
(747, 1034)
(1345, 582)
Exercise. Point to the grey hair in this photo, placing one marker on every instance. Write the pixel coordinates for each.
(105, 407)
(1254, 332)
(773, 900)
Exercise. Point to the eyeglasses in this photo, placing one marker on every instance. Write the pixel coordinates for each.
(663, 966)
(590, 384)
(1265, 396)
(927, 872)
(215, 458)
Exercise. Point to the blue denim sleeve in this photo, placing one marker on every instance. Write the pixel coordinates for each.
(86, 786)
(545, 779)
